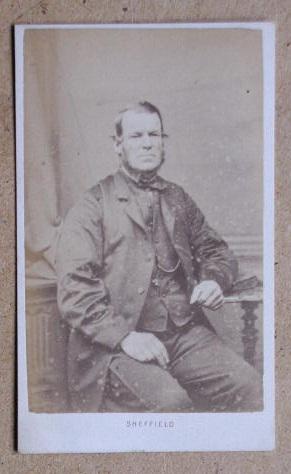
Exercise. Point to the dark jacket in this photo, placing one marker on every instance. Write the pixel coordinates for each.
(104, 265)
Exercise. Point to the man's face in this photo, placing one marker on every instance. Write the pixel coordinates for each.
(141, 146)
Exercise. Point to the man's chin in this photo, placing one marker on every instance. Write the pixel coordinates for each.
(148, 167)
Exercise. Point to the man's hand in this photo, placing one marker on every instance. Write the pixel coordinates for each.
(145, 347)
(207, 293)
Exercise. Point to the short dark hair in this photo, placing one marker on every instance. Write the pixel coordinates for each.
(143, 106)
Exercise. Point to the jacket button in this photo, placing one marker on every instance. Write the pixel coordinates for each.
(140, 291)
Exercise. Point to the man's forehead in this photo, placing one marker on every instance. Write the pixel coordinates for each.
(134, 120)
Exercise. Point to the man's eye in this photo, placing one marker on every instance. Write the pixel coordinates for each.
(135, 135)
(155, 134)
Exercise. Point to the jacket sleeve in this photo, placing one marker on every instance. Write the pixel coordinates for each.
(83, 299)
(210, 252)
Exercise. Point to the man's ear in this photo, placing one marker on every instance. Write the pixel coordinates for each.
(117, 144)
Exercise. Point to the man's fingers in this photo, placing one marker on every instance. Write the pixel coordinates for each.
(141, 353)
(213, 298)
(159, 346)
(156, 353)
(160, 353)
(161, 360)
(195, 296)
(215, 306)
(205, 293)
(208, 297)
(215, 303)
(163, 351)
(201, 295)
(145, 355)
(145, 347)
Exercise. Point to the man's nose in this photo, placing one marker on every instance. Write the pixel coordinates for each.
(147, 142)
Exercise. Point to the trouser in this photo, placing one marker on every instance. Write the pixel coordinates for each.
(203, 375)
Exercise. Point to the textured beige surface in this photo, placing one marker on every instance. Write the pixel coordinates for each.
(94, 11)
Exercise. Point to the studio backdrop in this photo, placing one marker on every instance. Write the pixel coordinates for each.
(208, 85)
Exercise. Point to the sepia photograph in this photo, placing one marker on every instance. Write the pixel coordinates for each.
(145, 236)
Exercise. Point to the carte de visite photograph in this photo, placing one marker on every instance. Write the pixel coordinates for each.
(145, 236)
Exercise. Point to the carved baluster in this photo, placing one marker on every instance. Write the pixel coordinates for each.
(249, 332)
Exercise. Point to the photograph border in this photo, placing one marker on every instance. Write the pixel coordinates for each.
(153, 432)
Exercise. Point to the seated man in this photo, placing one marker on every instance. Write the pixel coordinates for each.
(136, 263)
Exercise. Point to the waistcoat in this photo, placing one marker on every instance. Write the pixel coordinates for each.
(166, 298)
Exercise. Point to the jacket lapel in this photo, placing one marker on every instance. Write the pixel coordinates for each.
(134, 213)
(175, 226)
(131, 207)
(178, 234)
(169, 215)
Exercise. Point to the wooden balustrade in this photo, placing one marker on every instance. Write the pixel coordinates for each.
(46, 338)
(249, 301)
